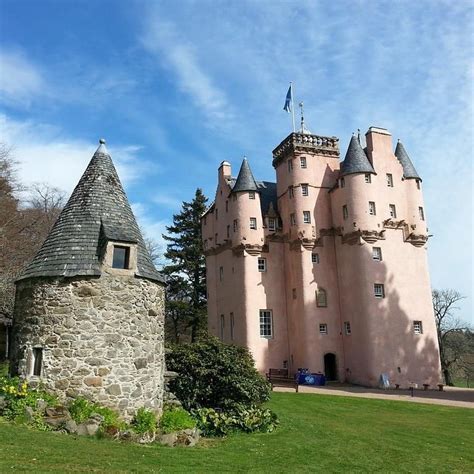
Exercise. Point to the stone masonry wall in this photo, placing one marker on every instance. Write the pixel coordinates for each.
(102, 338)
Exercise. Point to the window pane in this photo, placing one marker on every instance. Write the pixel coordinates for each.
(120, 257)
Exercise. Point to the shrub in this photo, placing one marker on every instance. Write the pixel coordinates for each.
(144, 421)
(215, 375)
(82, 409)
(176, 419)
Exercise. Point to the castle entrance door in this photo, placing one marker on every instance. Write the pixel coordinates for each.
(330, 367)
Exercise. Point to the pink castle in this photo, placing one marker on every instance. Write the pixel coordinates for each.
(325, 269)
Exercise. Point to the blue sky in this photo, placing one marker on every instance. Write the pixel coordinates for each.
(178, 86)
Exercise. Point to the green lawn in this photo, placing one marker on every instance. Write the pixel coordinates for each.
(317, 432)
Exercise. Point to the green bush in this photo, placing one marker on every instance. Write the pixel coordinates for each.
(215, 375)
(144, 421)
(176, 419)
(82, 409)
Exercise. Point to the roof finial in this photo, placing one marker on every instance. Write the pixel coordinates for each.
(102, 148)
(358, 135)
(102, 141)
(303, 127)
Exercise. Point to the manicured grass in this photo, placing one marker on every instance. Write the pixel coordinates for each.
(317, 433)
(463, 383)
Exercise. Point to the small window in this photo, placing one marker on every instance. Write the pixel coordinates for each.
(389, 180)
(392, 210)
(345, 212)
(377, 254)
(291, 192)
(121, 257)
(235, 225)
(217, 214)
(215, 239)
(271, 224)
(205, 220)
(294, 293)
(232, 325)
(228, 231)
(303, 162)
(222, 326)
(368, 178)
(421, 213)
(321, 298)
(417, 327)
(306, 217)
(227, 206)
(266, 324)
(290, 165)
(37, 361)
(372, 210)
(347, 328)
(262, 264)
(221, 273)
(379, 290)
(418, 186)
(304, 190)
(252, 195)
(253, 223)
(343, 182)
(323, 329)
(292, 218)
(315, 257)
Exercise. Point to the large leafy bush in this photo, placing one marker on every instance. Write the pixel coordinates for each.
(216, 375)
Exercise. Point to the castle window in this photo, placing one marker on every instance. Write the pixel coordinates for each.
(235, 225)
(345, 212)
(221, 273)
(323, 328)
(215, 239)
(222, 326)
(368, 178)
(262, 264)
(306, 217)
(303, 162)
(377, 254)
(417, 327)
(205, 220)
(304, 190)
(343, 182)
(421, 213)
(217, 214)
(266, 323)
(321, 298)
(291, 192)
(251, 194)
(389, 180)
(393, 210)
(290, 165)
(232, 325)
(379, 290)
(271, 223)
(293, 291)
(418, 184)
(372, 210)
(228, 231)
(253, 223)
(315, 257)
(347, 328)
(37, 361)
(227, 206)
(121, 257)
(292, 218)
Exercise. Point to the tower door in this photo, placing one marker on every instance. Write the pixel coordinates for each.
(330, 367)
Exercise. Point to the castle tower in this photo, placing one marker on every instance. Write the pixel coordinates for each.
(89, 308)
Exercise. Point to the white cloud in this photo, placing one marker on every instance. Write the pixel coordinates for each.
(20, 80)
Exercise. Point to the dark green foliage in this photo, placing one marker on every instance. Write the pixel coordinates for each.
(144, 421)
(214, 423)
(186, 274)
(176, 419)
(215, 375)
(82, 409)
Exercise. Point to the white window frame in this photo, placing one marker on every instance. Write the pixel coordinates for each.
(262, 264)
(392, 209)
(379, 290)
(418, 327)
(389, 180)
(372, 208)
(368, 178)
(303, 162)
(323, 329)
(271, 224)
(314, 257)
(377, 254)
(304, 190)
(306, 217)
(253, 223)
(321, 298)
(347, 328)
(345, 212)
(266, 323)
(251, 194)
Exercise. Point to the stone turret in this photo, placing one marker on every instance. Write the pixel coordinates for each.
(89, 309)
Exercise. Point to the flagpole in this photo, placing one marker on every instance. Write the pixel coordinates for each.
(292, 108)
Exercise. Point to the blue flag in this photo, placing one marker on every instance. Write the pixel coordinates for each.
(288, 100)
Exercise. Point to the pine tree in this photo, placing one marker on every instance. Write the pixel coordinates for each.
(186, 288)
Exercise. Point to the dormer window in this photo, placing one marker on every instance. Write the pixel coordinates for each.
(121, 257)
(251, 194)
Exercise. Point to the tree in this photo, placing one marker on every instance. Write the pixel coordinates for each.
(450, 329)
(186, 289)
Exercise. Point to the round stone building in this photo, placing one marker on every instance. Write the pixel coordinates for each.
(89, 310)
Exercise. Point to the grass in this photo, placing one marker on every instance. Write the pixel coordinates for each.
(464, 383)
(317, 433)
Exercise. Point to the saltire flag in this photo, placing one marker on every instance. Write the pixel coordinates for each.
(288, 100)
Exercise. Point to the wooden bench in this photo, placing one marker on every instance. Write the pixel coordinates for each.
(280, 377)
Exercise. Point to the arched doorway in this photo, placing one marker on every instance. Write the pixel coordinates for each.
(330, 366)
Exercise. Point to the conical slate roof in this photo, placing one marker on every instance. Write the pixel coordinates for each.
(356, 160)
(409, 170)
(245, 180)
(98, 210)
